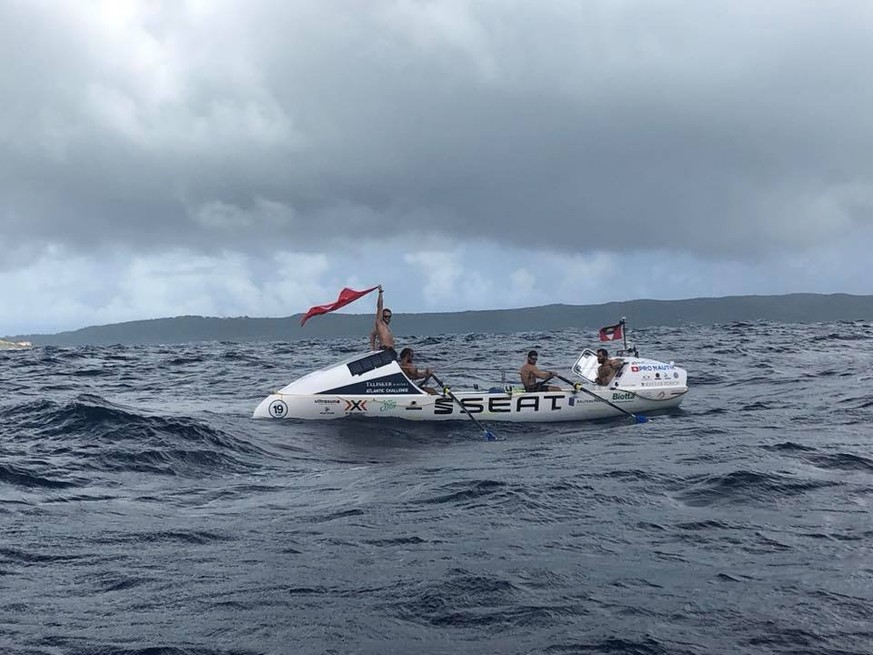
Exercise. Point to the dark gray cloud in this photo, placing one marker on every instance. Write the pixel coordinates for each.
(713, 128)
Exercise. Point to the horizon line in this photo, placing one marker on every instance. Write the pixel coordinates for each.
(438, 313)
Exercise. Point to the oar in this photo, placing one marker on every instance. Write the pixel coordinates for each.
(578, 387)
(488, 435)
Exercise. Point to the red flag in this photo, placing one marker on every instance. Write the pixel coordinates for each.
(346, 296)
(611, 332)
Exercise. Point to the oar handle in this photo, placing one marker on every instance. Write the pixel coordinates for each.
(488, 435)
(439, 382)
(575, 385)
(578, 387)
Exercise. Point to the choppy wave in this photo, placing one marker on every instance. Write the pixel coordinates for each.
(145, 513)
(89, 433)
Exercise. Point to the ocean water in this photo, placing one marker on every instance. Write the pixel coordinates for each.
(144, 512)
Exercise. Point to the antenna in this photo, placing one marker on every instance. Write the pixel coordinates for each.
(623, 331)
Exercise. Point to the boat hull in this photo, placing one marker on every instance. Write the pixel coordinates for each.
(544, 407)
(15, 345)
(372, 385)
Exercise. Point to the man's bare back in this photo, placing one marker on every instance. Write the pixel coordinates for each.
(531, 375)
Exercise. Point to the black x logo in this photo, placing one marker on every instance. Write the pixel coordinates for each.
(356, 405)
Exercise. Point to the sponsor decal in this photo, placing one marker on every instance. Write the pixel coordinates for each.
(652, 367)
(531, 402)
(391, 384)
(385, 386)
(355, 406)
(387, 405)
(473, 405)
(502, 405)
(278, 409)
(443, 406)
(499, 405)
(327, 411)
(554, 400)
(622, 396)
(325, 401)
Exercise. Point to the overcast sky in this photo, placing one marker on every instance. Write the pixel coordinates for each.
(215, 157)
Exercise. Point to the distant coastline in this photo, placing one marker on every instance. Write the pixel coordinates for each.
(790, 308)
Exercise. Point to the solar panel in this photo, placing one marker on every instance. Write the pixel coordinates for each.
(368, 363)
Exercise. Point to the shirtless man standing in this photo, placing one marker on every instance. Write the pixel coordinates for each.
(381, 331)
(530, 375)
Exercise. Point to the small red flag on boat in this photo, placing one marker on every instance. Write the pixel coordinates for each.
(346, 296)
(611, 332)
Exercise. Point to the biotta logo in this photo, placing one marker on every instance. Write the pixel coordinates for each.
(278, 409)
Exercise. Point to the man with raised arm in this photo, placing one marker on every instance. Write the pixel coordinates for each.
(381, 330)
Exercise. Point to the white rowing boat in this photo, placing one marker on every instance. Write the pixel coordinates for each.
(372, 385)
(15, 345)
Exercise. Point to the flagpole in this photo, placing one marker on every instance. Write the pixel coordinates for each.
(623, 332)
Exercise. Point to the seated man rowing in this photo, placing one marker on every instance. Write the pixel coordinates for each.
(530, 375)
(608, 367)
(412, 372)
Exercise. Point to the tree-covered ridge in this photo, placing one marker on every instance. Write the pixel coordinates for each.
(793, 308)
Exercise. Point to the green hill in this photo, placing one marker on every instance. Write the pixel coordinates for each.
(793, 308)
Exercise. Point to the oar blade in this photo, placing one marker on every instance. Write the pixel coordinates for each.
(640, 419)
